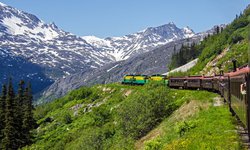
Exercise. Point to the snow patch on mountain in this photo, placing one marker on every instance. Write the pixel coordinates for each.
(188, 32)
(16, 27)
(2, 4)
(98, 42)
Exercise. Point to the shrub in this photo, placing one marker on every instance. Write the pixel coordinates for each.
(142, 111)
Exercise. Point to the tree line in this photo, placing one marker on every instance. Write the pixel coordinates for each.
(183, 56)
(16, 116)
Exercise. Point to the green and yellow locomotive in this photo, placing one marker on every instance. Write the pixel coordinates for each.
(135, 79)
(143, 79)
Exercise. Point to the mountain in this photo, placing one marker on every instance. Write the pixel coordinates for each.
(59, 53)
(22, 69)
(122, 48)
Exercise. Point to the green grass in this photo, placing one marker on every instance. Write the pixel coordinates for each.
(121, 115)
(207, 127)
(108, 117)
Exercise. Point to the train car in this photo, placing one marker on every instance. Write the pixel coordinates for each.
(193, 82)
(177, 82)
(216, 83)
(128, 79)
(140, 79)
(207, 83)
(239, 95)
(225, 88)
(158, 78)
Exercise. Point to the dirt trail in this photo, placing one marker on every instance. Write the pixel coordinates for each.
(212, 64)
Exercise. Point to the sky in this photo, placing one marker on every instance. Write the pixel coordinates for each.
(108, 18)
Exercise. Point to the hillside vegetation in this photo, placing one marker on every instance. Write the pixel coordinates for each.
(233, 40)
(117, 116)
(200, 123)
(102, 117)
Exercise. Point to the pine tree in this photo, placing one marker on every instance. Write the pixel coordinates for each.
(174, 49)
(9, 140)
(221, 29)
(217, 30)
(19, 100)
(28, 120)
(2, 112)
(193, 51)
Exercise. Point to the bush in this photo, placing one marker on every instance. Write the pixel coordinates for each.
(153, 145)
(235, 39)
(67, 118)
(142, 111)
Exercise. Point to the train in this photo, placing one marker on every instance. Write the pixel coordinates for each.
(139, 79)
(233, 86)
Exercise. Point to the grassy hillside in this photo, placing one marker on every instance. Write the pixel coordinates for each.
(117, 116)
(102, 117)
(233, 40)
(200, 123)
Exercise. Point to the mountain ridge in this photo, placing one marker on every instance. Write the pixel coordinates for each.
(128, 45)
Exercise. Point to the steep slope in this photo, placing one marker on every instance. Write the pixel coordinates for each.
(115, 116)
(60, 52)
(22, 69)
(219, 50)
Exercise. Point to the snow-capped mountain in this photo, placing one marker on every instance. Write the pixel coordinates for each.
(130, 45)
(58, 53)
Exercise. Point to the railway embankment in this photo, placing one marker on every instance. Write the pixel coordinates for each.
(202, 122)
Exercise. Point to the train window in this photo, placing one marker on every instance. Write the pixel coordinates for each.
(243, 88)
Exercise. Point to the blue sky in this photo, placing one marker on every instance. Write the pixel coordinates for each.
(105, 18)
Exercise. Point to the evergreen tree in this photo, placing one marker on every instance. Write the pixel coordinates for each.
(236, 17)
(2, 112)
(19, 102)
(28, 120)
(9, 140)
(221, 29)
(174, 50)
(217, 30)
(193, 51)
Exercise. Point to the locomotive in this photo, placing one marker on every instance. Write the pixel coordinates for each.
(234, 87)
(143, 79)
